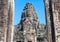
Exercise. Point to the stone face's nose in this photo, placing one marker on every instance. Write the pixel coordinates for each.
(29, 11)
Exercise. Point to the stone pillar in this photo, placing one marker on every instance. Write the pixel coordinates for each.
(10, 21)
(48, 21)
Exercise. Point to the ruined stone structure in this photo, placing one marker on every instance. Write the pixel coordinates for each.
(52, 8)
(6, 20)
(29, 29)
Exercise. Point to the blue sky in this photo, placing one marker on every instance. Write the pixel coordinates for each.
(38, 5)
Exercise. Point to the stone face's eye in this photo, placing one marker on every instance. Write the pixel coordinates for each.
(23, 20)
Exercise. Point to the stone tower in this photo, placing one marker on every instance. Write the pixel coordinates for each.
(29, 21)
(53, 13)
(29, 29)
(6, 21)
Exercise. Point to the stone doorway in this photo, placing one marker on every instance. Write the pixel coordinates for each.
(29, 41)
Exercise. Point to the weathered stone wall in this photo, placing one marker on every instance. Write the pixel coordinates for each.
(6, 21)
(3, 19)
(52, 8)
(56, 16)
